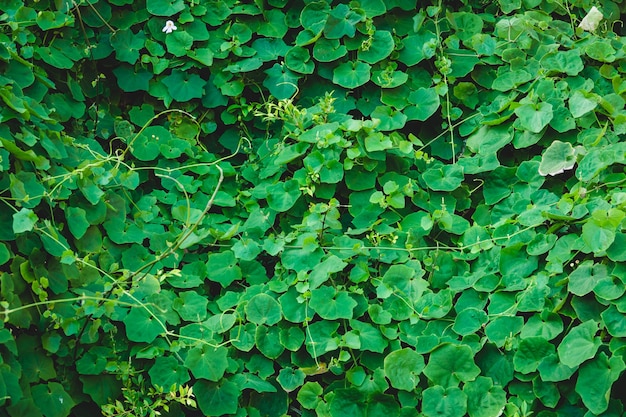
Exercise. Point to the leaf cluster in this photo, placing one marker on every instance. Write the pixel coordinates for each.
(364, 208)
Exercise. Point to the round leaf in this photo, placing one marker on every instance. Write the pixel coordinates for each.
(450, 364)
(184, 86)
(352, 74)
(439, 401)
(403, 367)
(263, 309)
(207, 362)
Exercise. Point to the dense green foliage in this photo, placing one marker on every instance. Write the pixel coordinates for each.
(367, 208)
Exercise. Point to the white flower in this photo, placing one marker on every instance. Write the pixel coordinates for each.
(591, 21)
(169, 27)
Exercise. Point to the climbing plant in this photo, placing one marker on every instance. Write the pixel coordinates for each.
(268, 208)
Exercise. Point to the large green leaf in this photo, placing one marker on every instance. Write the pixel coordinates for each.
(403, 368)
(440, 401)
(450, 364)
(595, 381)
(263, 309)
(217, 398)
(580, 344)
(207, 362)
(352, 74)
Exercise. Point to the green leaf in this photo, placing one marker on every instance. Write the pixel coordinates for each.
(581, 103)
(509, 80)
(309, 395)
(489, 139)
(444, 177)
(77, 221)
(351, 74)
(483, 398)
(469, 321)
(246, 249)
(377, 48)
(332, 305)
(168, 371)
(440, 401)
(348, 402)
(281, 81)
(131, 80)
(165, 7)
(426, 102)
(207, 362)
(183, 86)
(403, 368)
(534, 117)
(24, 220)
(55, 57)
(328, 50)
(530, 353)
(179, 43)
(568, 62)
(222, 267)
(579, 344)
(298, 59)
(418, 47)
(216, 399)
(283, 195)
(557, 158)
(52, 399)
(128, 44)
(450, 364)
(595, 380)
(267, 340)
(5, 254)
(141, 326)
(314, 16)
(599, 231)
(341, 22)
(290, 379)
(263, 309)
(191, 306)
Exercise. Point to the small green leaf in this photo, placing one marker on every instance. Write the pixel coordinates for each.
(179, 43)
(283, 195)
(281, 81)
(24, 220)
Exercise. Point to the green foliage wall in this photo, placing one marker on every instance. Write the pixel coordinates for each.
(366, 208)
